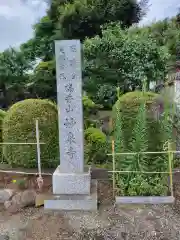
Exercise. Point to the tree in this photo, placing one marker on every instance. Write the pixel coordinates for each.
(13, 73)
(123, 58)
(79, 19)
(165, 33)
(69, 19)
(106, 95)
(41, 46)
(43, 81)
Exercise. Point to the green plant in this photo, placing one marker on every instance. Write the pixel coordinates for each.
(95, 146)
(21, 183)
(106, 95)
(88, 105)
(19, 127)
(122, 58)
(128, 107)
(2, 115)
(89, 109)
(132, 183)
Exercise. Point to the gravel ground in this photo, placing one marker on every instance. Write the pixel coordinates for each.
(123, 223)
(148, 223)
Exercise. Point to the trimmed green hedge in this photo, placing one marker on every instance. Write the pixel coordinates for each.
(95, 146)
(2, 115)
(19, 127)
(128, 106)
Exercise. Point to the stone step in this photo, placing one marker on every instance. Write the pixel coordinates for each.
(74, 202)
(145, 200)
(71, 205)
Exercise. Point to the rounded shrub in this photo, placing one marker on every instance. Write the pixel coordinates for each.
(19, 127)
(90, 109)
(126, 108)
(95, 146)
(2, 115)
(88, 105)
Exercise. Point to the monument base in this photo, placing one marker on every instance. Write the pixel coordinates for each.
(71, 202)
(71, 183)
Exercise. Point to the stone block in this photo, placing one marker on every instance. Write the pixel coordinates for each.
(71, 183)
(6, 194)
(74, 202)
(145, 200)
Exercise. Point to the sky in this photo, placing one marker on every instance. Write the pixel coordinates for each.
(18, 16)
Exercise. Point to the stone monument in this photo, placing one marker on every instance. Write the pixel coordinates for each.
(73, 188)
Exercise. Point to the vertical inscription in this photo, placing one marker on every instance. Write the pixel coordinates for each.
(68, 67)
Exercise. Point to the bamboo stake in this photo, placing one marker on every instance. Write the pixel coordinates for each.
(38, 148)
(138, 172)
(114, 168)
(113, 156)
(25, 173)
(11, 143)
(170, 157)
(135, 153)
(39, 179)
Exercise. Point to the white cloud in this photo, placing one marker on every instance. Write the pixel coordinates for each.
(7, 12)
(16, 20)
(160, 9)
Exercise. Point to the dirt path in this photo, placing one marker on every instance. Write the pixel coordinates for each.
(148, 223)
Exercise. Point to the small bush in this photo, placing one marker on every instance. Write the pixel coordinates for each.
(20, 183)
(95, 146)
(128, 107)
(2, 115)
(88, 105)
(142, 185)
(19, 127)
(89, 109)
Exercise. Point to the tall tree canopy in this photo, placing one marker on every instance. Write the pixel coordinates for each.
(83, 18)
(78, 19)
(122, 57)
(14, 69)
(166, 33)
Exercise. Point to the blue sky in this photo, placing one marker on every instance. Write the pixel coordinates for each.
(17, 17)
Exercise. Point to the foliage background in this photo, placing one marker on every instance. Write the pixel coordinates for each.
(116, 51)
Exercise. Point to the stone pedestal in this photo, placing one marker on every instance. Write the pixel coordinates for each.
(73, 191)
(71, 183)
(71, 202)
